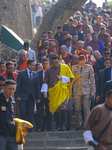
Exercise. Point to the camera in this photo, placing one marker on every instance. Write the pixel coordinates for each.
(93, 143)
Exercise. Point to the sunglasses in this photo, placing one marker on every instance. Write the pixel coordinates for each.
(107, 53)
(15, 64)
(44, 36)
(2, 84)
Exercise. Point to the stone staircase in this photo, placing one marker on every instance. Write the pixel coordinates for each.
(56, 140)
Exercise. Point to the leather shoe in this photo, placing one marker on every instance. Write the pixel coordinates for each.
(63, 129)
(58, 129)
(79, 128)
(38, 130)
(30, 130)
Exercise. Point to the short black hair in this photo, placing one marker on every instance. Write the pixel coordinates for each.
(44, 33)
(9, 81)
(14, 60)
(2, 62)
(102, 28)
(59, 27)
(110, 19)
(30, 61)
(50, 32)
(105, 49)
(38, 64)
(68, 39)
(74, 34)
(85, 18)
(46, 59)
(107, 59)
(55, 57)
(86, 33)
(2, 78)
(94, 33)
(9, 63)
(108, 93)
(106, 36)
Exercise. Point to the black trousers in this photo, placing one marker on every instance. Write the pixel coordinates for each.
(40, 117)
(8, 143)
(60, 121)
(26, 109)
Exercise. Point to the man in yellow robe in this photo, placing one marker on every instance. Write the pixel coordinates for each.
(57, 83)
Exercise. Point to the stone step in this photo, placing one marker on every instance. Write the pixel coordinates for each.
(54, 135)
(57, 148)
(55, 142)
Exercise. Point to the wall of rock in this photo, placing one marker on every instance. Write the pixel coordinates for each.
(16, 15)
(6, 53)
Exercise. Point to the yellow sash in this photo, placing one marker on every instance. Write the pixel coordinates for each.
(60, 91)
(40, 43)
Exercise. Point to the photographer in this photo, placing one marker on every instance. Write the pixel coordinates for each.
(98, 126)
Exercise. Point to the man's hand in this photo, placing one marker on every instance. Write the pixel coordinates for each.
(88, 143)
(24, 126)
(98, 99)
(18, 99)
(93, 95)
(38, 101)
(59, 77)
(45, 95)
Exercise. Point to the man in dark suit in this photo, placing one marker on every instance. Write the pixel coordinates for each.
(70, 48)
(107, 87)
(69, 27)
(101, 60)
(100, 85)
(44, 101)
(58, 36)
(108, 72)
(28, 90)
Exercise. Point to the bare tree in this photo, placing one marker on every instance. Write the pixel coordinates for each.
(58, 15)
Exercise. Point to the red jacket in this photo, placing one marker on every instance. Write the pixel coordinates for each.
(5, 74)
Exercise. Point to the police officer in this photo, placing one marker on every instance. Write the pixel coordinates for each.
(83, 88)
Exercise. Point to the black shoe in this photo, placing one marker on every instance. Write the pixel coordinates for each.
(63, 128)
(38, 130)
(30, 130)
(68, 129)
(79, 128)
(58, 129)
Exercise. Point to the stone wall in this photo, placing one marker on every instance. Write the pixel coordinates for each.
(6, 53)
(16, 15)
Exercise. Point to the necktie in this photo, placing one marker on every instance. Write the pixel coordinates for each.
(30, 75)
(81, 69)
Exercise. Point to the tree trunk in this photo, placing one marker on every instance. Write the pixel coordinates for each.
(58, 15)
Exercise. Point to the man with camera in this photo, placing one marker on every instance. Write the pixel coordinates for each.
(98, 126)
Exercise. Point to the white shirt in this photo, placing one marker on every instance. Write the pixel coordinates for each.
(28, 71)
(39, 12)
(69, 49)
(43, 74)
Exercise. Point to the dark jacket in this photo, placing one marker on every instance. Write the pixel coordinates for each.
(107, 87)
(7, 125)
(100, 82)
(100, 64)
(40, 74)
(25, 87)
(107, 75)
(71, 30)
(58, 38)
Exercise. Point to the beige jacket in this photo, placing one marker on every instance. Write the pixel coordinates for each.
(85, 81)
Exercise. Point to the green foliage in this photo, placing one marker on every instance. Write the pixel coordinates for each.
(45, 1)
(110, 4)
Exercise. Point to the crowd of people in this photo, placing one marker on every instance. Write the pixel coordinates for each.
(39, 10)
(70, 73)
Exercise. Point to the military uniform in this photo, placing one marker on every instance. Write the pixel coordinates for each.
(83, 86)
